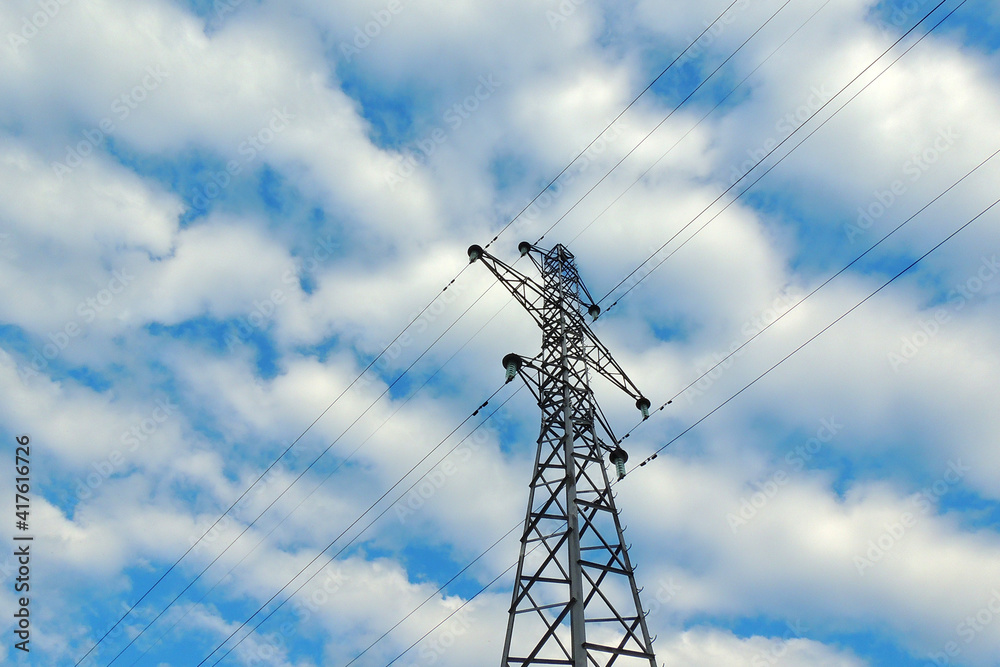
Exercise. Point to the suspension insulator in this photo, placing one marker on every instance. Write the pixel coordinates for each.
(594, 311)
(643, 405)
(511, 364)
(618, 459)
(523, 247)
(475, 252)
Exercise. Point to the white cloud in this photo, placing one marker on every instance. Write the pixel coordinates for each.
(706, 646)
(216, 86)
(71, 235)
(781, 543)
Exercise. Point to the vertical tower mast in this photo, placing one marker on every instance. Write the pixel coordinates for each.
(575, 601)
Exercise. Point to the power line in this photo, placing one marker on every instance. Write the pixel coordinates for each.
(692, 426)
(270, 467)
(335, 470)
(590, 557)
(344, 532)
(630, 152)
(267, 470)
(387, 347)
(817, 335)
(838, 273)
(460, 608)
(294, 481)
(557, 221)
(300, 503)
(441, 588)
(831, 279)
(781, 143)
(821, 286)
(700, 121)
(703, 82)
(608, 127)
(320, 416)
(665, 119)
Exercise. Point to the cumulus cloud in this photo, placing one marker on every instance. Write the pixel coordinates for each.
(214, 216)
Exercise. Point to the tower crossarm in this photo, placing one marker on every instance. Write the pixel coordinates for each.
(573, 569)
(531, 296)
(527, 292)
(600, 360)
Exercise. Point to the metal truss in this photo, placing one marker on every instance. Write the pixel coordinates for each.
(575, 600)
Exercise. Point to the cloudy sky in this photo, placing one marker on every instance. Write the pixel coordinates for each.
(215, 216)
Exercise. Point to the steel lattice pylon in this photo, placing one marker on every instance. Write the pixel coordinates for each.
(575, 600)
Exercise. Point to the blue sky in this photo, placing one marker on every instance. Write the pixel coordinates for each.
(215, 216)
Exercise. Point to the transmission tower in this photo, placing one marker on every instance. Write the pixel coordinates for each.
(575, 601)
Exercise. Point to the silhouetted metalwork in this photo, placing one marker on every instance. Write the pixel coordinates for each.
(575, 600)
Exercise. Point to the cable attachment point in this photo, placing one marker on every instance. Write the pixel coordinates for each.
(475, 252)
(512, 364)
(524, 247)
(618, 459)
(594, 311)
(643, 405)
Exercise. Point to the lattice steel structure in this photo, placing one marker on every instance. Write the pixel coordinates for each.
(575, 600)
